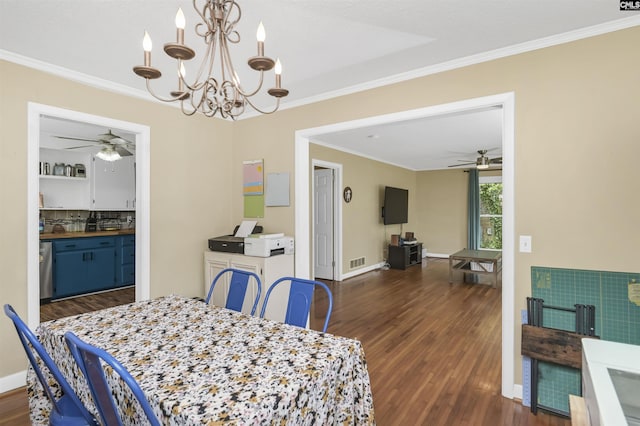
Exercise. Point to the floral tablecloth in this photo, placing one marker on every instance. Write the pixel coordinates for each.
(202, 364)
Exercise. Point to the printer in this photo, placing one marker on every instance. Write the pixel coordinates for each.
(266, 245)
(229, 243)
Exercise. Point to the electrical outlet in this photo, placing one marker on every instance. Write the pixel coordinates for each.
(525, 243)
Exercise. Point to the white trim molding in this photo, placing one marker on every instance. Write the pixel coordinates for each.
(143, 246)
(13, 381)
(303, 215)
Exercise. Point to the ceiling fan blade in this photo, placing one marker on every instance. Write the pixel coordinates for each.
(80, 146)
(462, 164)
(77, 139)
(113, 138)
(496, 160)
(107, 136)
(127, 141)
(122, 151)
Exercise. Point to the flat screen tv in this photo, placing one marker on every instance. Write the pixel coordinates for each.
(396, 205)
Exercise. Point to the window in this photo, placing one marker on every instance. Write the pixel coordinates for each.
(491, 212)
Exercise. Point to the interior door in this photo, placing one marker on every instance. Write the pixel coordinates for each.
(323, 223)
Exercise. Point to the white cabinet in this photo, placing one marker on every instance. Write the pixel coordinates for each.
(268, 269)
(113, 184)
(63, 192)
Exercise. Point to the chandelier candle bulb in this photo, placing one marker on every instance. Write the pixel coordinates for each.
(278, 91)
(180, 24)
(147, 46)
(261, 35)
(278, 71)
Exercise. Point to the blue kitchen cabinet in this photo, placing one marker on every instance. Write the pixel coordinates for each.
(83, 265)
(125, 260)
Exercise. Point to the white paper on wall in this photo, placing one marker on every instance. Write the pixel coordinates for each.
(277, 191)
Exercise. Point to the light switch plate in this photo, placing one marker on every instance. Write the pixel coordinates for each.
(525, 243)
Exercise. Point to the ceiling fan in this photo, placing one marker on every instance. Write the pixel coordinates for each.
(115, 147)
(482, 162)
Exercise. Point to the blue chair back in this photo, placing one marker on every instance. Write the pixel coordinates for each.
(238, 284)
(89, 359)
(67, 409)
(299, 302)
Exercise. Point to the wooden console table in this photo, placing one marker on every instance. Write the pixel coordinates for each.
(476, 262)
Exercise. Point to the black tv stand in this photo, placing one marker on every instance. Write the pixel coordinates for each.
(400, 257)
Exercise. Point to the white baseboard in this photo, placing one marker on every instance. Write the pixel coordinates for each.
(361, 271)
(517, 392)
(440, 255)
(13, 381)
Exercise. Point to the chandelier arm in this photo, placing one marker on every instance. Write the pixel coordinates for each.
(201, 13)
(158, 97)
(258, 88)
(204, 104)
(198, 83)
(223, 49)
(261, 111)
(227, 25)
(236, 81)
(187, 112)
(195, 104)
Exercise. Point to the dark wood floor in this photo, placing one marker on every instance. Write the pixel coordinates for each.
(433, 349)
(92, 302)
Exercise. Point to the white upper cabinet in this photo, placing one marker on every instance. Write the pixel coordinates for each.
(113, 184)
(61, 192)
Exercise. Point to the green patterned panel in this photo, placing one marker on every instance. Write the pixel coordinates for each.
(617, 319)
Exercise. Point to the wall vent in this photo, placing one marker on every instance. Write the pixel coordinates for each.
(355, 263)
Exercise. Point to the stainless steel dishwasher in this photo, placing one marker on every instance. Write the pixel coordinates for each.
(46, 271)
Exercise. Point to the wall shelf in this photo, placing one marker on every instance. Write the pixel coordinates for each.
(65, 178)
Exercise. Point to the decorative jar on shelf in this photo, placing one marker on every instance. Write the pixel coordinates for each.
(58, 169)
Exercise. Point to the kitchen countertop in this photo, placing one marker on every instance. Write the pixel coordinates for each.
(52, 236)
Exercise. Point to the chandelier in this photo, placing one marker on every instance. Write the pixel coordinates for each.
(210, 95)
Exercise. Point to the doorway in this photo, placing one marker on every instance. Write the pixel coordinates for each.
(327, 220)
(506, 101)
(142, 240)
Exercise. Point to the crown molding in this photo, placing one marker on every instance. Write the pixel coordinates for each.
(79, 77)
(542, 43)
(491, 55)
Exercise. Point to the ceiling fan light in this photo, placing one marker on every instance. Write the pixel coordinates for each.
(108, 154)
(482, 163)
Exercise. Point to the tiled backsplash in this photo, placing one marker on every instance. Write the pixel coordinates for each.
(74, 220)
(617, 318)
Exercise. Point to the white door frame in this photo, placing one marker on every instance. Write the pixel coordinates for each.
(337, 216)
(142, 138)
(303, 214)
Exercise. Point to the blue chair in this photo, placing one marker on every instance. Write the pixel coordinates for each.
(66, 410)
(299, 304)
(238, 284)
(89, 359)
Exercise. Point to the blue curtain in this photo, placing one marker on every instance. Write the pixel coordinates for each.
(473, 219)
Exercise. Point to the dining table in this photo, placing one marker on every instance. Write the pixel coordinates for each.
(200, 364)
